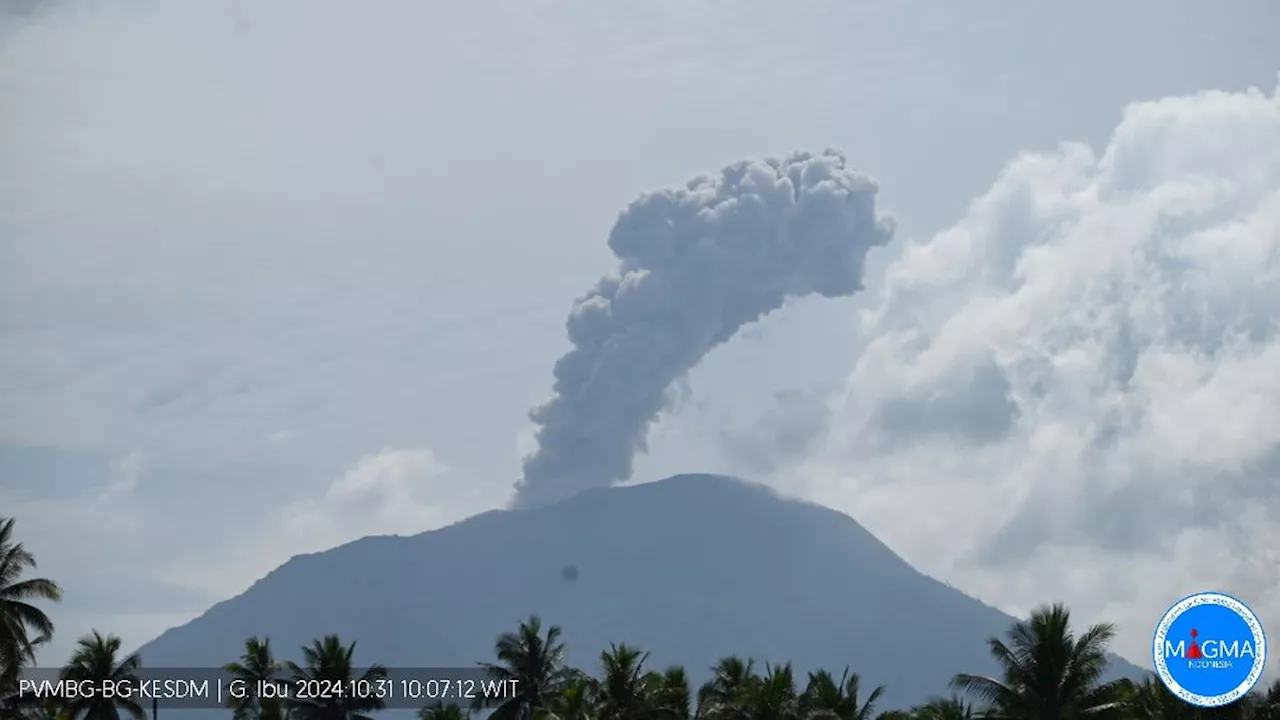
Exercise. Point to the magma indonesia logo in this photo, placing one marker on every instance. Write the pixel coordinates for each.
(1209, 649)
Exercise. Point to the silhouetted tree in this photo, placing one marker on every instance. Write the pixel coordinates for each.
(257, 666)
(671, 693)
(23, 626)
(773, 696)
(536, 664)
(949, 708)
(1047, 673)
(440, 711)
(329, 661)
(825, 698)
(723, 697)
(95, 661)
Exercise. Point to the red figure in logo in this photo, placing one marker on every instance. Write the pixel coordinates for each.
(1193, 652)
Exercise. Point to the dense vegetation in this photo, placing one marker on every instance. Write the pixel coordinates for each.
(1048, 672)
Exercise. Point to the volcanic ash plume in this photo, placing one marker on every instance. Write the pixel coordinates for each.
(696, 264)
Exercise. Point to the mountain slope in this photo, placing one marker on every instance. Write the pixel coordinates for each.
(691, 568)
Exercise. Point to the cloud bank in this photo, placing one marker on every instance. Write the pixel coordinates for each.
(1075, 390)
(395, 491)
(697, 264)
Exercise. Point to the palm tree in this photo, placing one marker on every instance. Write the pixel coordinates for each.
(625, 689)
(578, 698)
(12, 704)
(828, 699)
(773, 696)
(1151, 700)
(1047, 673)
(35, 710)
(723, 697)
(94, 661)
(45, 710)
(256, 667)
(1268, 707)
(329, 662)
(671, 693)
(536, 664)
(1250, 707)
(950, 708)
(23, 626)
(440, 711)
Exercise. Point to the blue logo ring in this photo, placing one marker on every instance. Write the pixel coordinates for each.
(1217, 675)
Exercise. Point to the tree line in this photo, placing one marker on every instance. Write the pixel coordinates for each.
(1048, 671)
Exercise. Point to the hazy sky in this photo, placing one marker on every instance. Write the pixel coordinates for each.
(274, 276)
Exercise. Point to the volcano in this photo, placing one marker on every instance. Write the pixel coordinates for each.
(691, 568)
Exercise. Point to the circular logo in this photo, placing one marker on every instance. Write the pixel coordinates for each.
(1209, 649)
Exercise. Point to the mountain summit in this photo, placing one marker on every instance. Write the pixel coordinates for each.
(691, 568)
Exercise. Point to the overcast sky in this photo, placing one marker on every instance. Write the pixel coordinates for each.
(275, 276)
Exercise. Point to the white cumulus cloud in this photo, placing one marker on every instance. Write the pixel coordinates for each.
(1074, 392)
(395, 491)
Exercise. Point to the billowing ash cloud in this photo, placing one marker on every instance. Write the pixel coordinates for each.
(697, 263)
